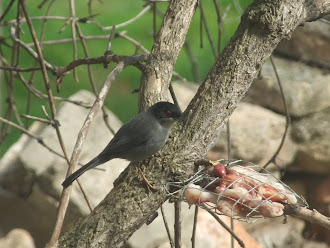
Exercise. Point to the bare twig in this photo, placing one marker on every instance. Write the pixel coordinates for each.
(193, 236)
(111, 36)
(74, 37)
(324, 21)
(207, 30)
(82, 190)
(145, 10)
(312, 216)
(229, 157)
(27, 132)
(90, 76)
(287, 116)
(177, 224)
(215, 216)
(40, 5)
(194, 62)
(69, 40)
(18, 69)
(64, 201)
(47, 121)
(217, 9)
(23, 20)
(45, 77)
(175, 100)
(42, 35)
(41, 95)
(154, 19)
(166, 227)
(60, 71)
(136, 43)
(5, 12)
(28, 49)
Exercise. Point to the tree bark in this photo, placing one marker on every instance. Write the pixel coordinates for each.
(263, 25)
(170, 39)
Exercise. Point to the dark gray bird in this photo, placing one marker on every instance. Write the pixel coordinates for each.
(138, 139)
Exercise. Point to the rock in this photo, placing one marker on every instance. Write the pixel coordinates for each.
(17, 238)
(306, 89)
(209, 232)
(314, 244)
(312, 134)
(255, 136)
(309, 43)
(255, 131)
(31, 176)
(273, 233)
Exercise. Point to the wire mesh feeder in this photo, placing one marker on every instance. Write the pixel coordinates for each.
(239, 189)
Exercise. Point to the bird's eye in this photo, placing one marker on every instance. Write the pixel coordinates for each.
(168, 113)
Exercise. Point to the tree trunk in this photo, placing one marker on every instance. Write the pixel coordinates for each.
(263, 25)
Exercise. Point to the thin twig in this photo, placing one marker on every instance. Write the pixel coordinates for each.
(217, 9)
(145, 10)
(154, 20)
(45, 77)
(40, 5)
(312, 216)
(64, 201)
(193, 236)
(166, 227)
(34, 118)
(18, 69)
(69, 40)
(60, 71)
(90, 76)
(50, 97)
(108, 50)
(324, 21)
(41, 95)
(215, 216)
(42, 36)
(74, 37)
(83, 191)
(194, 62)
(15, 57)
(177, 224)
(111, 36)
(5, 12)
(207, 31)
(229, 158)
(135, 42)
(175, 100)
(178, 76)
(287, 116)
(27, 132)
(28, 49)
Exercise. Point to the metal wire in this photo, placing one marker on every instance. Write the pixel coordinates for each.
(251, 180)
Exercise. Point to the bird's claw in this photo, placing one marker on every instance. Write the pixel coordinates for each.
(148, 183)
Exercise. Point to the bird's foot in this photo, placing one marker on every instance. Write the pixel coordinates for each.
(148, 183)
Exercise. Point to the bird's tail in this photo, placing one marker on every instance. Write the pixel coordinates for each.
(91, 164)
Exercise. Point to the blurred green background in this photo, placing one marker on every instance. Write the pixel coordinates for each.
(119, 100)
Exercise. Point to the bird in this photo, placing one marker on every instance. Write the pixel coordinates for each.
(139, 138)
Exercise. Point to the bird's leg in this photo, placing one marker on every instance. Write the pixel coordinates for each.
(148, 183)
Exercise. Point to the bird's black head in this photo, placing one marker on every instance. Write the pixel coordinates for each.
(166, 111)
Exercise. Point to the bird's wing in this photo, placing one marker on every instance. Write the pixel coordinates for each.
(127, 137)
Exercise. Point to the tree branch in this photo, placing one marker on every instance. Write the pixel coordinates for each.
(130, 204)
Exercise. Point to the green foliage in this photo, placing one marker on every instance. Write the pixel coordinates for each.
(120, 99)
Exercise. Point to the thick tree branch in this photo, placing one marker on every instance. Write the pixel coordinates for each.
(170, 39)
(130, 204)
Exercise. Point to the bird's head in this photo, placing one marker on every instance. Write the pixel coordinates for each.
(166, 112)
